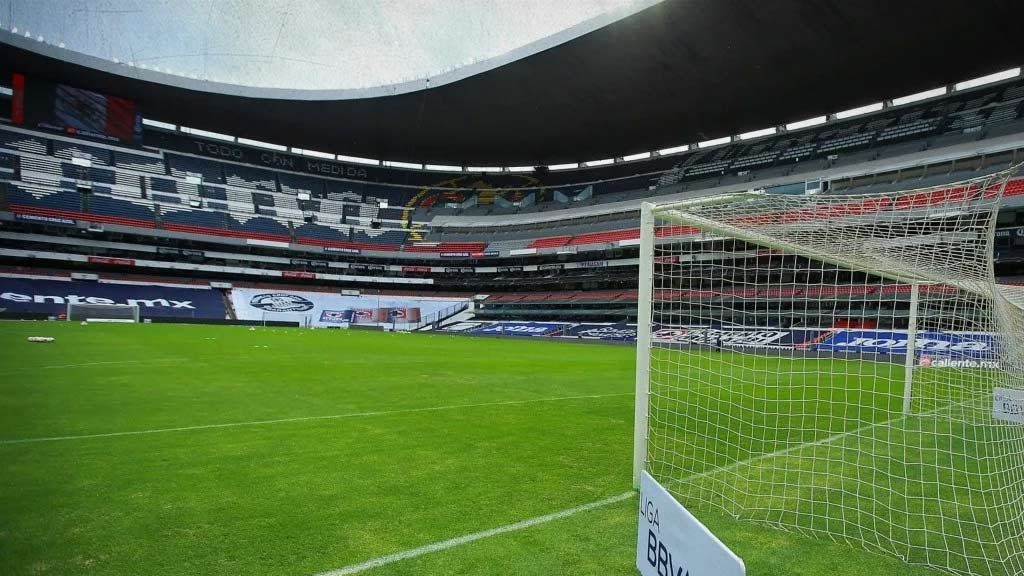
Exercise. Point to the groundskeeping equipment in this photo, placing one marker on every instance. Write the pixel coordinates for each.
(843, 366)
(103, 312)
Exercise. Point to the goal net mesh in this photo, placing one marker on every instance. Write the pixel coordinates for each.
(826, 365)
(103, 312)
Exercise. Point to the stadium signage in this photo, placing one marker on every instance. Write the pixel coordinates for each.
(454, 254)
(551, 267)
(510, 268)
(225, 151)
(310, 263)
(459, 270)
(1007, 232)
(367, 267)
(278, 160)
(672, 542)
(341, 250)
(337, 316)
(974, 345)
(604, 331)
(1008, 405)
(594, 264)
(113, 261)
(52, 296)
(416, 269)
(45, 219)
(76, 299)
(297, 274)
(280, 302)
(714, 336)
(521, 328)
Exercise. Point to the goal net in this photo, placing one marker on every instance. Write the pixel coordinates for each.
(841, 366)
(103, 312)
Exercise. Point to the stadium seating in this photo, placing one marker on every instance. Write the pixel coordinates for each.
(243, 200)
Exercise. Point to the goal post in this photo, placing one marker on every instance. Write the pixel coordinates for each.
(841, 366)
(103, 312)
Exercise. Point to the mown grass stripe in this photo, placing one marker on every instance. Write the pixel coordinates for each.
(308, 418)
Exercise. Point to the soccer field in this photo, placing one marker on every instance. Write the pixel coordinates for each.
(163, 449)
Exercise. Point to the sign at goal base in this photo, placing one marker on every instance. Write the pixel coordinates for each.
(672, 542)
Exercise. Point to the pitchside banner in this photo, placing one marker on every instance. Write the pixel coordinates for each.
(977, 345)
(522, 328)
(327, 309)
(740, 337)
(616, 332)
(671, 542)
(29, 295)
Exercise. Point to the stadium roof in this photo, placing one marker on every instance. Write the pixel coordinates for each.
(677, 72)
(336, 45)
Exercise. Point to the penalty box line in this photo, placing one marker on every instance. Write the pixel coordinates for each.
(309, 418)
(468, 538)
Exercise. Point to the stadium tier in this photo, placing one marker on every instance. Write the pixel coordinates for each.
(60, 177)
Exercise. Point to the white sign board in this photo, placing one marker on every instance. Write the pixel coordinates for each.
(671, 542)
(1008, 405)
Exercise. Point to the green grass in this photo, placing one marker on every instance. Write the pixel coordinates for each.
(304, 496)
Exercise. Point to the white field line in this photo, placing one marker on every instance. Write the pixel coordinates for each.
(819, 442)
(87, 364)
(466, 539)
(309, 418)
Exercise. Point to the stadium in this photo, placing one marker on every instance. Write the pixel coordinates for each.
(614, 287)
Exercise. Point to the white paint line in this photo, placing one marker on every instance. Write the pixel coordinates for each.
(819, 442)
(308, 418)
(445, 544)
(87, 364)
(466, 539)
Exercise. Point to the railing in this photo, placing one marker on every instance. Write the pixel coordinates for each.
(434, 320)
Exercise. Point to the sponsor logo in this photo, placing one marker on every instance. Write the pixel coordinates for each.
(280, 302)
(521, 328)
(714, 336)
(959, 363)
(46, 219)
(342, 250)
(297, 274)
(603, 331)
(336, 316)
(364, 315)
(609, 332)
(454, 254)
(76, 299)
(113, 261)
(934, 344)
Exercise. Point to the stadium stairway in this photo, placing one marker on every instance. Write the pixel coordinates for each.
(228, 305)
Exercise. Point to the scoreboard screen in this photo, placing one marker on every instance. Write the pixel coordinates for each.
(41, 104)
